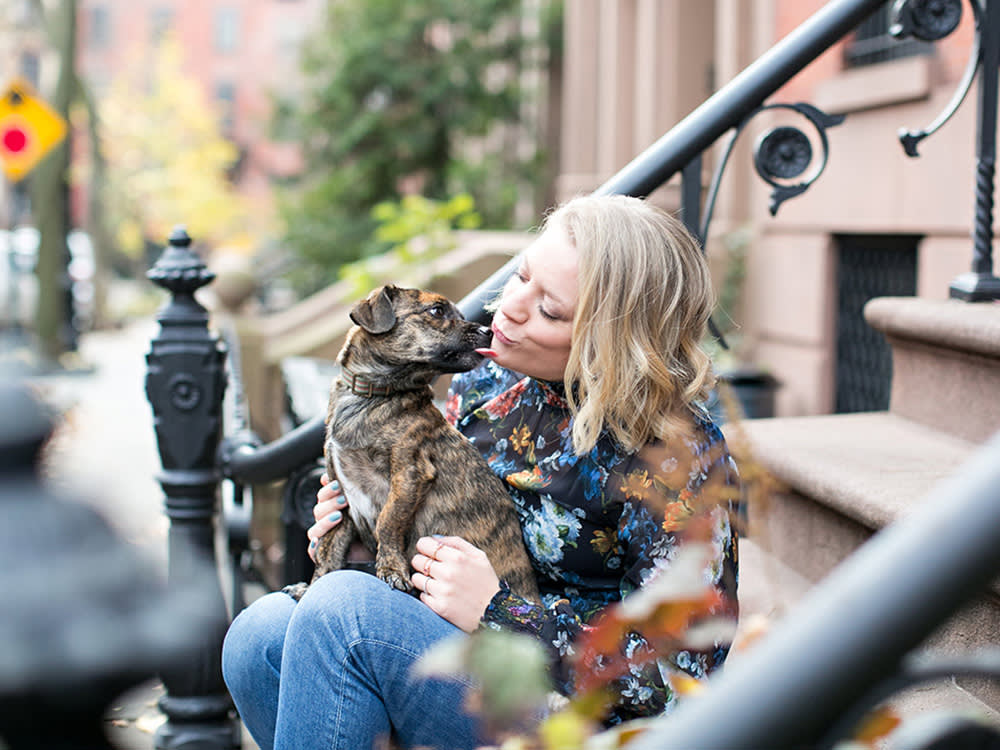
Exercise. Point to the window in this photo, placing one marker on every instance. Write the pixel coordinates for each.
(225, 99)
(100, 27)
(160, 21)
(227, 29)
(29, 66)
(873, 44)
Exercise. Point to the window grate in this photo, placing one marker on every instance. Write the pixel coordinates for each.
(873, 44)
(868, 266)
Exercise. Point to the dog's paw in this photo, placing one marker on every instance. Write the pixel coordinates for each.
(395, 579)
(296, 590)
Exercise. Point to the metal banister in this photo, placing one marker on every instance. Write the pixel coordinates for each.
(250, 464)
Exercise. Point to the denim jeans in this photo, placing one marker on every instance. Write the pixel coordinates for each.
(334, 670)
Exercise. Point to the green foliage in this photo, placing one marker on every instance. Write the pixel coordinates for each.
(395, 90)
(417, 230)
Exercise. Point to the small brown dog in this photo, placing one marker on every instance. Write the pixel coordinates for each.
(405, 472)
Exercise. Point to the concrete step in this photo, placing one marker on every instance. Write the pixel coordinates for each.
(946, 362)
(841, 479)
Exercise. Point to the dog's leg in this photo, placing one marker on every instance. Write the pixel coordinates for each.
(330, 555)
(412, 474)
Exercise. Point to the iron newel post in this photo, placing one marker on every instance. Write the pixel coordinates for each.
(185, 382)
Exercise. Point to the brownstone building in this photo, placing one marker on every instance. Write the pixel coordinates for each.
(875, 222)
(243, 53)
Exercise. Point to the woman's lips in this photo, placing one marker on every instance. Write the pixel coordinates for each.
(498, 335)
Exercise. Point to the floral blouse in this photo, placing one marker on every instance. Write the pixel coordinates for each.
(596, 526)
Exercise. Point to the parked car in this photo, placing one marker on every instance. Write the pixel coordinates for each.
(19, 286)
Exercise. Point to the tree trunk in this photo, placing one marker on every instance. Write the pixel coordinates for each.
(50, 204)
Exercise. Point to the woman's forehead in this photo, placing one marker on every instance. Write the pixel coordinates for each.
(553, 261)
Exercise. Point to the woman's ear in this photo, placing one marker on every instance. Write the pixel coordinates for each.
(376, 313)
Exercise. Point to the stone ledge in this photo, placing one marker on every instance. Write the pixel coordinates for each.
(872, 467)
(950, 324)
(946, 362)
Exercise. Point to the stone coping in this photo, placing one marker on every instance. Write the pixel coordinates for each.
(872, 467)
(952, 324)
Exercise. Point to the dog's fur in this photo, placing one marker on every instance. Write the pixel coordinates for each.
(407, 473)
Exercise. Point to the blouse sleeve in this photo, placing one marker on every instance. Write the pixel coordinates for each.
(658, 490)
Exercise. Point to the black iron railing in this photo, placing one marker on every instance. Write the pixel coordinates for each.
(800, 704)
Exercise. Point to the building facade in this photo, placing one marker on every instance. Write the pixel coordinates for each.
(245, 54)
(875, 223)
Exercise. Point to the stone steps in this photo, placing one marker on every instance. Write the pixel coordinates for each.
(842, 478)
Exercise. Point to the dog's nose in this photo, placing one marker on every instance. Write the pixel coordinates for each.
(485, 331)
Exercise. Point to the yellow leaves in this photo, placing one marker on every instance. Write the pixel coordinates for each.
(566, 730)
(877, 726)
(663, 611)
(684, 685)
(168, 162)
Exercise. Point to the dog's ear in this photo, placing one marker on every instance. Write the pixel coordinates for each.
(376, 313)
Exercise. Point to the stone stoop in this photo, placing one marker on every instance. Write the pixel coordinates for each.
(946, 362)
(844, 477)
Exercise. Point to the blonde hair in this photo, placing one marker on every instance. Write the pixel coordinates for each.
(636, 366)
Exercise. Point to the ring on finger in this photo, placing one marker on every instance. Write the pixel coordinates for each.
(437, 549)
(427, 567)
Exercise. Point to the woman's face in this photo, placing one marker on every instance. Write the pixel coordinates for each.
(533, 325)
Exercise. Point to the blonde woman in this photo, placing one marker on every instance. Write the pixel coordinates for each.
(590, 410)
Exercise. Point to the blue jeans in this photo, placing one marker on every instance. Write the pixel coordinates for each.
(333, 670)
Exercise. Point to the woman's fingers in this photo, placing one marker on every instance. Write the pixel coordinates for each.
(328, 512)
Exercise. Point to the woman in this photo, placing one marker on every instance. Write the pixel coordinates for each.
(612, 298)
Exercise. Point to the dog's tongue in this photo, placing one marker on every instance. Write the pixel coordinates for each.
(487, 352)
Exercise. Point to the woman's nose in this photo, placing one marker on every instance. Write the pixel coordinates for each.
(514, 305)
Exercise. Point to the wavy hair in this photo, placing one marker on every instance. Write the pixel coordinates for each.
(636, 366)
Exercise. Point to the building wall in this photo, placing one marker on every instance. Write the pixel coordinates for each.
(623, 92)
(242, 52)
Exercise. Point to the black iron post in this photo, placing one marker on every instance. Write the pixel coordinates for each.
(980, 284)
(185, 383)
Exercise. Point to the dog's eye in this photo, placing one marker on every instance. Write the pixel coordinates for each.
(436, 311)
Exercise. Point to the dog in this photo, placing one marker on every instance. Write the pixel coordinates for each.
(405, 471)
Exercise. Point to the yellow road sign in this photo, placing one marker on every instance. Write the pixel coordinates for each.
(29, 129)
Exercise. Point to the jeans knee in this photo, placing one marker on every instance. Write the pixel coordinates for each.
(255, 639)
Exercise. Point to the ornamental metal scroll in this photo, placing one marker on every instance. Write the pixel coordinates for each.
(781, 154)
(931, 21)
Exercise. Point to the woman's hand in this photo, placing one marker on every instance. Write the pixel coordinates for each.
(455, 579)
(330, 502)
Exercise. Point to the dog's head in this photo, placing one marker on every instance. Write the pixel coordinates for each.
(414, 327)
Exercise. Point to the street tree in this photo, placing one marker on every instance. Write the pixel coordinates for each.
(167, 160)
(404, 97)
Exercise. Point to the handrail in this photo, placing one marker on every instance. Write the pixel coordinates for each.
(247, 463)
(722, 111)
(854, 627)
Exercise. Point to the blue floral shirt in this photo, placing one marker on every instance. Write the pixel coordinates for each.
(597, 526)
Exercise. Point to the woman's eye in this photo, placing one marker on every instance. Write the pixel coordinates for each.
(546, 314)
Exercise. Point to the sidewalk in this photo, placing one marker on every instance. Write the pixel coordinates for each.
(105, 455)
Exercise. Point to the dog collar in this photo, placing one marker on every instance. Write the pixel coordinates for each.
(360, 386)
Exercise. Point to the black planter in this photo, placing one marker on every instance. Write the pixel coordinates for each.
(753, 388)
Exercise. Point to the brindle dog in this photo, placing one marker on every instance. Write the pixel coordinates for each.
(406, 472)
